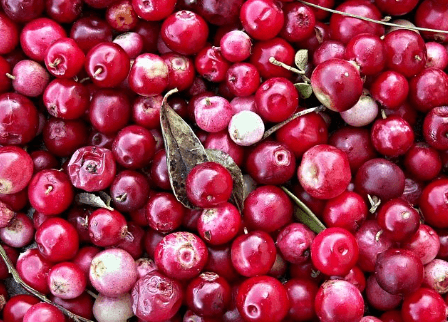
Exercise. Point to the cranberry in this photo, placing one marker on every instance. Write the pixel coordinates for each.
(148, 75)
(66, 280)
(423, 162)
(184, 32)
(212, 114)
(153, 10)
(224, 142)
(208, 184)
(131, 42)
(390, 89)
(107, 227)
(6, 215)
(129, 191)
(16, 201)
(435, 128)
(211, 65)
(110, 110)
(33, 268)
(299, 22)
(392, 136)
(339, 301)
(236, 46)
(433, 203)
(379, 298)
(253, 253)
(181, 72)
(17, 306)
(63, 11)
(156, 297)
(19, 233)
(301, 293)
(57, 240)
(324, 171)
(381, 178)
(262, 19)
(367, 50)
(10, 32)
(13, 255)
(98, 4)
(19, 119)
(16, 169)
(428, 89)
(243, 79)
(294, 243)
(64, 58)
(63, 137)
(149, 31)
(423, 305)
(82, 305)
(262, 299)
(29, 78)
(344, 28)
(89, 32)
(278, 48)
(23, 11)
(348, 211)
(43, 312)
(121, 16)
(219, 261)
(5, 78)
(163, 212)
(181, 255)
(92, 168)
(219, 225)
(399, 271)
(246, 128)
(435, 275)
(151, 240)
(107, 65)
(424, 243)
(431, 14)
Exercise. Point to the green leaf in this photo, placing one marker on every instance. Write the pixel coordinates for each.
(301, 59)
(305, 90)
(304, 214)
(93, 200)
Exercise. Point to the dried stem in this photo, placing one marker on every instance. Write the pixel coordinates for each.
(31, 290)
(275, 62)
(380, 22)
(296, 115)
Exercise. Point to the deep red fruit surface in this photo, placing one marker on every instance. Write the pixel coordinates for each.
(390, 89)
(254, 306)
(301, 293)
(424, 305)
(430, 14)
(262, 19)
(107, 227)
(16, 168)
(337, 84)
(392, 136)
(435, 128)
(163, 212)
(156, 297)
(294, 243)
(57, 240)
(379, 298)
(208, 184)
(148, 75)
(334, 251)
(17, 306)
(367, 50)
(66, 280)
(339, 301)
(43, 312)
(434, 203)
(64, 58)
(129, 190)
(424, 243)
(423, 161)
(428, 89)
(324, 171)
(33, 268)
(153, 10)
(253, 253)
(89, 32)
(10, 31)
(63, 11)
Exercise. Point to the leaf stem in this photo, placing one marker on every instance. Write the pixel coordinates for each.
(275, 62)
(31, 290)
(380, 22)
(296, 115)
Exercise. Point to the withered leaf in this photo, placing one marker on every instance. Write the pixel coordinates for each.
(301, 59)
(305, 90)
(91, 199)
(238, 182)
(183, 150)
(304, 214)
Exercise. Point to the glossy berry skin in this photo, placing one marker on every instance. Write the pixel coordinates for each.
(425, 243)
(324, 172)
(163, 212)
(148, 75)
(17, 306)
(64, 58)
(253, 253)
(213, 114)
(337, 84)
(66, 99)
(57, 240)
(50, 192)
(405, 52)
(129, 191)
(243, 79)
(428, 89)
(208, 184)
(63, 137)
(334, 251)
(399, 271)
(10, 30)
(107, 65)
(63, 11)
(294, 243)
(339, 301)
(435, 128)
(211, 65)
(133, 147)
(381, 178)
(271, 163)
(16, 169)
(184, 32)
(262, 299)
(424, 305)
(33, 268)
(91, 168)
(18, 119)
(367, 50)
(344, 28)
(121, 16)
(19, 232)
(38, 35)
(379, 298)
(5, 81)
(236, 46)
(433, 203)
(66, 280)
(107, 227)
(30, 78)
(156, 297)
(267, 208)
(276, 99)
(390, 89)
(43, 312)
(181, 72)
(301, 293)
(398, 219)
(262, 19)
(348, 211)
(392, 136)
(327, 50)
(89, 32)
(299, 22)
(208, 295)
(181, 255)
(422, 154)
(219, 225)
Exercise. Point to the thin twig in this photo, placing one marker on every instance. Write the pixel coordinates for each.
(31, 290)
(385, 23)
(296, 115)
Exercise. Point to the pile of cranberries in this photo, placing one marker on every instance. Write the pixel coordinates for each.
(82, 83)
